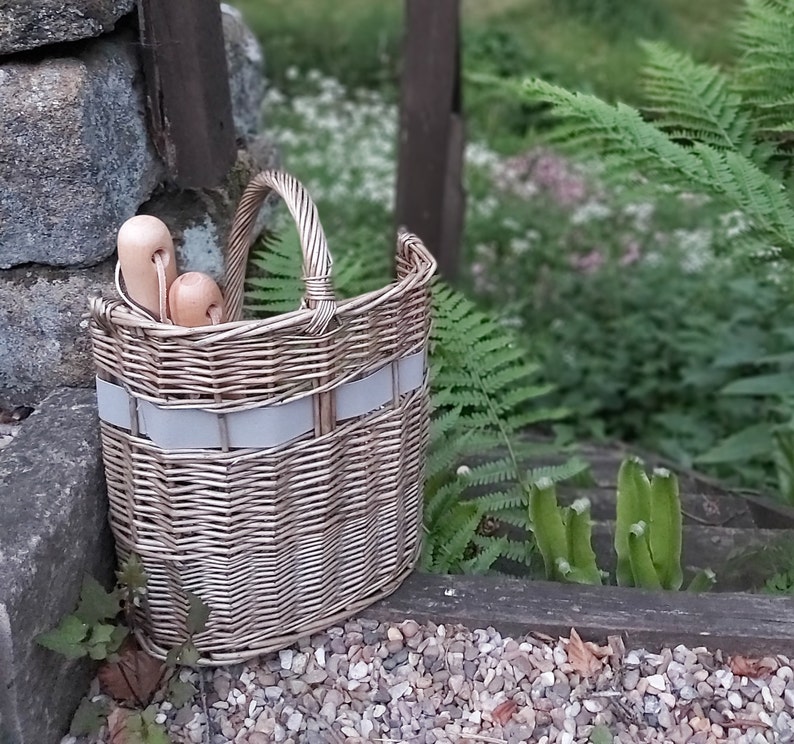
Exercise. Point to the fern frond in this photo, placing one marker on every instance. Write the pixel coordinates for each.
(765, 72)
(490, 549)
(485, 390)
(569, 470)
(492, 472)
(692, 101)
(443, 500)
(273, 280)
(496, 501)
(516, 517)
(454, 536)
(518, 551)
(619, 135)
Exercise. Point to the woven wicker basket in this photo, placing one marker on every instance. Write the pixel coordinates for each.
(272, 467)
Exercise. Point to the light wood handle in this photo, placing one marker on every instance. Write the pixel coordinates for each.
(146, 259)
(195, 300)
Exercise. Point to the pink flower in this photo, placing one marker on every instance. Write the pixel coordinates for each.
(632, 254)
(588, 263)
(542, 171)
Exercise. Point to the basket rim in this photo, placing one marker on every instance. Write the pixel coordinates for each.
(122, 314)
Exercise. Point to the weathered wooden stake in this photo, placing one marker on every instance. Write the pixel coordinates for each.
(187, 85)
(430, 198)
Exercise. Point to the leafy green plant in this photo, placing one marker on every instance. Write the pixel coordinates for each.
(770, 441)
(355, 41)
(563, 536)
(648, 528)
(780, 583)
(90, 630)
(100, 628)
(635, 19)
(648, 533)
(485, 393)
(724, 135)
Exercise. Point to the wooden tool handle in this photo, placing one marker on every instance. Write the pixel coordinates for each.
(195, 300)
(147, 262)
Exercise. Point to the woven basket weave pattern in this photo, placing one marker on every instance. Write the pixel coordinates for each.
(279, 542)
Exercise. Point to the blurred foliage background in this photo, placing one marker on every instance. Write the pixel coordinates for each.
(630, 304)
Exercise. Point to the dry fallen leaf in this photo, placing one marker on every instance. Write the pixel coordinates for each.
(134, 678)
(585, 658)
(503, 712)
(117, 726)
(748, 667)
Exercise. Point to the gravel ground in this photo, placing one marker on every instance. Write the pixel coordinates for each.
(414, 684)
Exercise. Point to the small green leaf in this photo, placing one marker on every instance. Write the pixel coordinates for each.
(148, 714)
(117, 638)
(702, 581)
(88, 718)
(141, 728)
(96, 604)
(67, 638)
(601, 735)
(781, 383)
(744, 445)
(102, 633)
(189, 655)
(172, 657)
(100, 641)
(180, 693)
(132, 574)
(197, 615)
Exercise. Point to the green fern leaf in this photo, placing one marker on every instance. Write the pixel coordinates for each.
(765, 74)
(694, 102)
(490, 549)
(620, 136)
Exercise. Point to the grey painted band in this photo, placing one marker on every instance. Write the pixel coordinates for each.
(267, 426)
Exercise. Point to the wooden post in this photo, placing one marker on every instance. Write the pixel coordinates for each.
(430, 198)
(187, 86)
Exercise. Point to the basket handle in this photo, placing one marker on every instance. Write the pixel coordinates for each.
(317, 262)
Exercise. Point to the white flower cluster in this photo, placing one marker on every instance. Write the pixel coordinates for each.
(341, 145)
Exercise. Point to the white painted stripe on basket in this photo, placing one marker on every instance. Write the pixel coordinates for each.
(267, 426)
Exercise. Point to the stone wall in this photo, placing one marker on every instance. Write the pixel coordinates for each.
(76, 161)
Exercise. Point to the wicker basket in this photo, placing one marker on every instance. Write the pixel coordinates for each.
(272, 467)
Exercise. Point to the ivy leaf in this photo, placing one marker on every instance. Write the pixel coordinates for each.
(88, 718)
(117, 637)
(132, 574)
(126, 727)
(67, 638)
(197, 615)
(101, 636)
(172, 657)
(189, 655)
(141, 728)
(96, 604)
(180, 693)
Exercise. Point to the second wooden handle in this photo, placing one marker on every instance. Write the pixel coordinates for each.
(195, 300)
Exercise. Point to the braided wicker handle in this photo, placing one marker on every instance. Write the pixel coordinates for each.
(317, 263)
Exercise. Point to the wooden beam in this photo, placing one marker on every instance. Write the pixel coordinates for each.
(430, 200)
(749, 624)
(187, 89)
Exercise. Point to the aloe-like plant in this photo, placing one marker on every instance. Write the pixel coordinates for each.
(648, 533)
(563, 535)
(648, 528)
